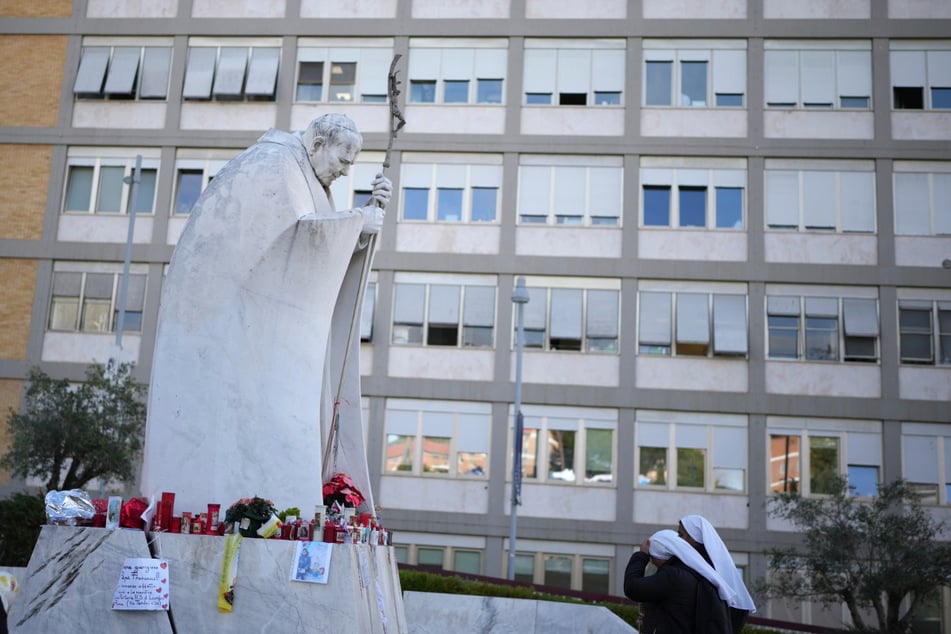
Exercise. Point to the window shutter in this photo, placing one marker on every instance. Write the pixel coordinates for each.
(262, 71)
(858, 201)
(860, 318)
(409, 303)
(92, 70)
(534, 190)
(605, 191)
(373, 71)
(818, 204)
(854, 73)
(155, 68)
(574, 70)
(729, 324)
(655, 319)
(443, 304)
(570, 191)
(782, 199)
(566, 313)
(125, 63)
(230, 76)
(539, 70)
(693, 318)
(908, 68)
(479, 308)
(199, 73)
(536, 309)
(99, 285)
(607, 70)
(782, 76)
(912, 205)
(818, 77)
(603, 313)
(457, 63)
(729, 72)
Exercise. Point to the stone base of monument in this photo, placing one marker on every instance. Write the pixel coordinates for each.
(71, 580)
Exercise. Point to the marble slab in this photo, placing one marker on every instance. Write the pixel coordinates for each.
(69, 584)
(435, 613)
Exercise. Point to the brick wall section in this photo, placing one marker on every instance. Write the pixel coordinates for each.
(24, 173)
(9, 398)
(18, 281)
(31, 86)
(36, 8)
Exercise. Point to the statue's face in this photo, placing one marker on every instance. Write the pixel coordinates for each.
(332, 160)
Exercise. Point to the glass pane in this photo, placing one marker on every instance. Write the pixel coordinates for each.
(449, 204)
(536, 98)
(402, 554)
(529, 453)
(435, 454)
(784, 464)
(596, 576)
(908, 98)
(656, 206)
(693, 206)
(467, 561)
(822, 338)
(659, 83)
(783, 337)
(63, 313)
(188, 190)
(78, 188)
(823, 463)
(598, 454)
(690, 467)
(407, 333)
(607, 98)
(471, 463)
(484, 203)
(489, 90)
(693, 84)
(95, 315)
(653, 466)
(342, 79)
(558, 572)
(561, 455)
(477, 336)
(863, 480)
(132, 323)
(729, 207)
(728, 479)
(110, 189)
(940, 98)
(729, 99)
(456, 91)
(524, 568)
(399, 452)
(415, 203)
(145, 192)
(422, 91)
(429, 557)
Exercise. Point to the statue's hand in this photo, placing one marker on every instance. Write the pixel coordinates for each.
(382, 191)
(372, 219)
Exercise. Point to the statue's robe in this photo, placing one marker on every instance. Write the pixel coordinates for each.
(256, 313)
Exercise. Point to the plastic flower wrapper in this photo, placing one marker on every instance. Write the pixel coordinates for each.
(340, 488)
(69, 507)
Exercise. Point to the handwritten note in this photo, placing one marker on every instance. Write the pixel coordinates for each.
(143, 585)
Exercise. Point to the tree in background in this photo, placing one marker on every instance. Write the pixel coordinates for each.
(69, 434)
(878, 556)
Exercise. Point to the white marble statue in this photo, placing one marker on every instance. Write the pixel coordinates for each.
(253, 328)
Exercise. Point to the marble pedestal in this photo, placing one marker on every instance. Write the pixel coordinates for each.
(72, 575)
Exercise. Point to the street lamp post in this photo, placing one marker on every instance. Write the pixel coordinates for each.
(519, 298)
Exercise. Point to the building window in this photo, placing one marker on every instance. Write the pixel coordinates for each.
(231, 73)
(446, 438)
(584, 572)
(571, 319)
(808, 458)
(826, 200)
(695, 197)
(924, 332)
(451, 314)
(367, 310)
(334, 71)
(567, 445)
(922, 199)
(86, 301)
(685, 74)
(692, 324)
(690, 452)
(451, 192)
(926, 460)
(194, 169)
(123, 72)
(822, 328)
(920, 78)
(818, 75)
(456, 74)
(102, 184)
(576, 191)
(574, 72)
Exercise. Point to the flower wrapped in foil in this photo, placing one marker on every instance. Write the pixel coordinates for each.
(69, 508)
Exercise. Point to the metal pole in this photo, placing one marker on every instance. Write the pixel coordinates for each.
(124, 281)
(519, 298)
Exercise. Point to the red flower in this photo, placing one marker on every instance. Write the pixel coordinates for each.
(341, 486)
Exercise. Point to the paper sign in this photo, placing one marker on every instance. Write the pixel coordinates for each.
(311, 562)
(143, 585)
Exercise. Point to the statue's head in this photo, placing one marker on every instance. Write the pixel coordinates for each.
(332, 142)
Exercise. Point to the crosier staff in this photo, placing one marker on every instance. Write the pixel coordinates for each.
(396, 123)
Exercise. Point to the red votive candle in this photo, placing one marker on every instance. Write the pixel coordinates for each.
(176, 524)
